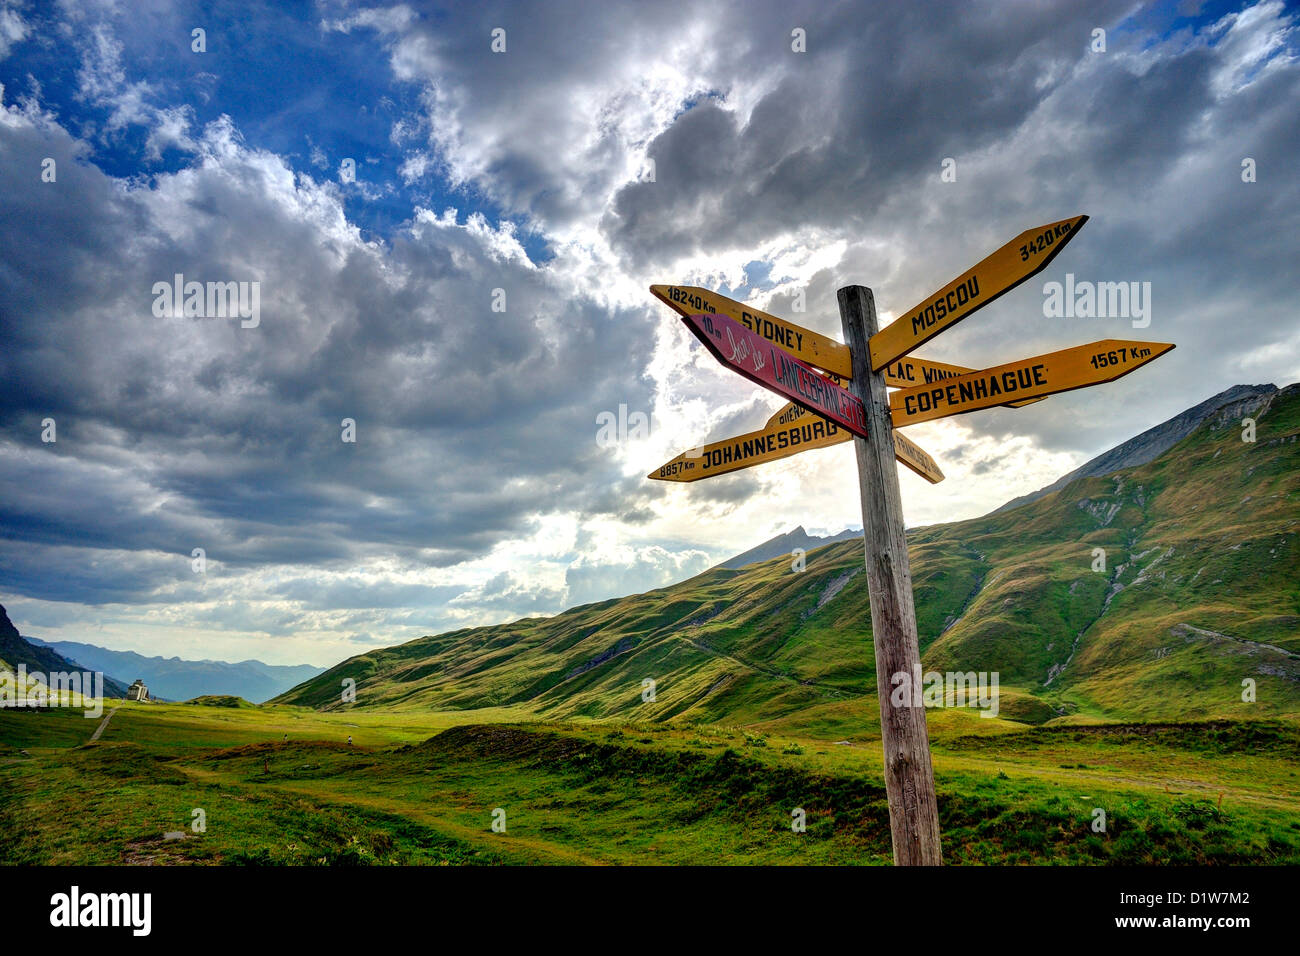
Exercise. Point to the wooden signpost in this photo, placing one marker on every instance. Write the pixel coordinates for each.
(849, 398)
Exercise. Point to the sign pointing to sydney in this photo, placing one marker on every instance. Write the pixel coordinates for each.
(804, 344)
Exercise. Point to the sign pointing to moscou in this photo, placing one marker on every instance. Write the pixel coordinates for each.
(1061, 371)
(1022, 257)
(774, 368)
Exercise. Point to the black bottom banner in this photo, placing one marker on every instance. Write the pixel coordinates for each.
(293, 905)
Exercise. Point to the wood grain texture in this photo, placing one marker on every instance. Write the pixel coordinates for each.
(909, 776)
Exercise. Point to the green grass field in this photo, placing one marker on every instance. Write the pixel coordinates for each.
(421, 788)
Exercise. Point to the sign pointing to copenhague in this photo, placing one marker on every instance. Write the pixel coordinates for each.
(1022, 257)
(1042, 375)
(791, 430)
(776, 369)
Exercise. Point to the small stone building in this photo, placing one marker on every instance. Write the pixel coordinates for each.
(137, 691)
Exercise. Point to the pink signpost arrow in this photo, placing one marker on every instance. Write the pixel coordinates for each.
(774, 368)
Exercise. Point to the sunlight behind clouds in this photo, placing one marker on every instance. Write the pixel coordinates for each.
(477, 489)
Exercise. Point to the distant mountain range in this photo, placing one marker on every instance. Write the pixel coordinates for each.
(784, 544)
(1234, 403)
(172, 678)
(1199, 591)
(1162, 590)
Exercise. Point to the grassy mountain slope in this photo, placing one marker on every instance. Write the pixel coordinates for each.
(1198, 593)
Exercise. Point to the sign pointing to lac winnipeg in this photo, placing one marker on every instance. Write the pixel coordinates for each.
(813, 348)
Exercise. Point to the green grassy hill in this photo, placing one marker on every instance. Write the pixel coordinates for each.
(1198, 594)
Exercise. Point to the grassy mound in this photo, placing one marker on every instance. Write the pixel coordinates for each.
(220, 700)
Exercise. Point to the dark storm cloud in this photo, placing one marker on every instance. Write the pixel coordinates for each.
(175, 433)
(1148, 138)
(872, 108)
(844, 144)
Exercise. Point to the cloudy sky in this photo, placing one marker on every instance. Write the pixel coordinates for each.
(452, 246)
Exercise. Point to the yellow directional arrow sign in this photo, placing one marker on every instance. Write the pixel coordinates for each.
(791, 430)
(817, 350)
(907, 452)
(911, 371)
(1043, 375)
(805, 344)
(1022, 257)
(910, 454)
(800, 432)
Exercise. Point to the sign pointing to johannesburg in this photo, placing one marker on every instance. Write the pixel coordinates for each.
(1022, 257)
(798, 430)
(776, 369)
(791, 430)
(1042, 375)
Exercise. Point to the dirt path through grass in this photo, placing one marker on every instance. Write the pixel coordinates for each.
(103, 724)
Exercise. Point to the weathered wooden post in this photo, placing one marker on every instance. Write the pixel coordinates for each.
(909, 776)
